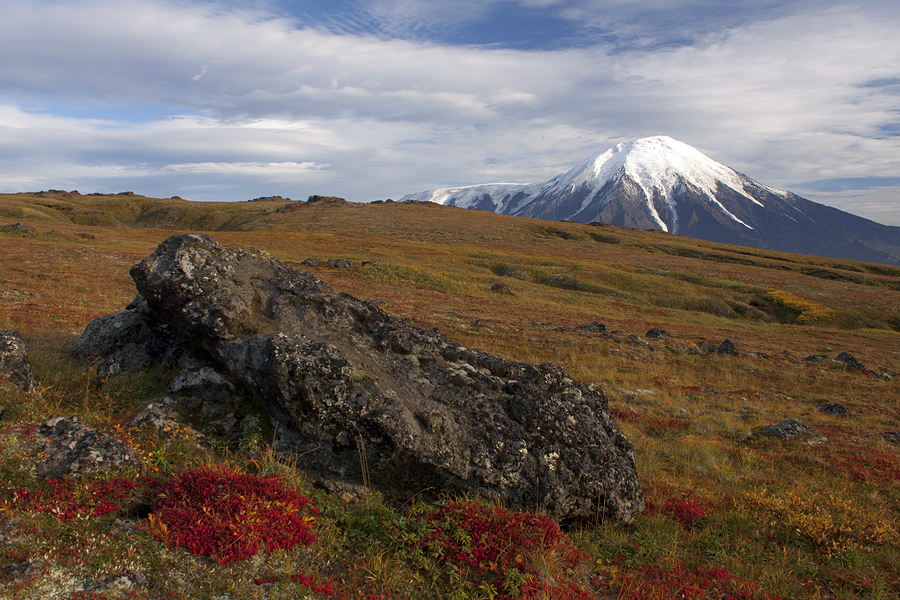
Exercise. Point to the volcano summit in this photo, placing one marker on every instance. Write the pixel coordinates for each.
(661, 183)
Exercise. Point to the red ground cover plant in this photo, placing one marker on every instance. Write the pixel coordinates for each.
(322, 586)
(516, 555)
(680, 581)
(314, 584)
(683, 506)
(655, 424)
(79, 500)
(229, 516)
(861, 463)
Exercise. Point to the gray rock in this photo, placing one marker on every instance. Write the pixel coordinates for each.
(207, 401)
(849, 360)
(105, 335)
(341, 379)
(131, 358)
(72, 449)
(835, 409)
(340, 263)
(162, 417)
(816, 358)
(594, 327)
(727, 348)
(656, 333)
(14, 363)
(18, 228)
(792, 430)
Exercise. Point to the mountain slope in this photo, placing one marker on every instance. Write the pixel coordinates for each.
(661, 183)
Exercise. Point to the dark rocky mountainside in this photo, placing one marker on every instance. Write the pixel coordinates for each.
(358, 396)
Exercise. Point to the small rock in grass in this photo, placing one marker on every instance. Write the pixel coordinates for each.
(657, 333)
(73, 449)
(793, 431)
(816, 358)
(595, 327)
(501, 288)
(727, 348)
(849, 360)
(835, 409)
(14, 364)
(340, 263)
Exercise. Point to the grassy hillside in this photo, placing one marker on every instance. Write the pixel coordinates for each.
(732, 516)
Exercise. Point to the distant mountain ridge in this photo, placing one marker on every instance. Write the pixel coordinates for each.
(661, 183)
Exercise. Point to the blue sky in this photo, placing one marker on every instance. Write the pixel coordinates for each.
(371, 99)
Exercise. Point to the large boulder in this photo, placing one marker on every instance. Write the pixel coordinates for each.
(360, 396)
(14, 363)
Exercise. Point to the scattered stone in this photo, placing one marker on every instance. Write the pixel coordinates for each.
(86, 236)
(270, 199)
(595, 327)
(849, 360)
(122, 582)
(893, 436)
(340, 378)
(14, 363)
(369, 263)
(835, 409)
(816, 358)
(73, 449)
(727, 348)
(793, 431)
(315, 199)
(656, 334)
(162, 417)
(501, 288)
(18, 228)
(312, 261)
(340, 263)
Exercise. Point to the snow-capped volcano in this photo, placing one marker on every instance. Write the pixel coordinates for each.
(661, 183)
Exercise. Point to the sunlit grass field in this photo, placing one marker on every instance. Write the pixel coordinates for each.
(730, 514)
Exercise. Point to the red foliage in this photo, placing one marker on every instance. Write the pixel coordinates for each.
(75, 499)
(680, 581)
(661, 425)
(228, 516)
(316, 585)
(861, 463)
(684, 507)
(626, 415)
(495, 545)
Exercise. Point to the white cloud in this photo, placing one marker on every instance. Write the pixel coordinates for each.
(259, 103)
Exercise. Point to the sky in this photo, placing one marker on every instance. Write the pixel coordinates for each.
(373, 99)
